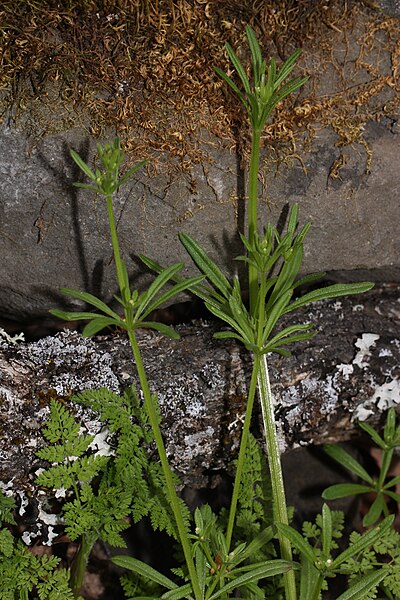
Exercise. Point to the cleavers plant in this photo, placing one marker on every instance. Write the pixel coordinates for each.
(215, 565)
(383, 489)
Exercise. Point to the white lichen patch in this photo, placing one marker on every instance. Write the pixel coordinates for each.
(364, 344)
(361, 413)
(11, 339)
(358, 308)
(383, 352)
(387, 395)
(346, 370)
(177, 398)
(100, 445)
(70, 362)
(23, 502)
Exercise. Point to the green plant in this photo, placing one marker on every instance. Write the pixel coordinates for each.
(318, 563)
(380, 487)
(274, 263)
(219, 557)
(137, 307)
(259, 99)
(23, 574)
(104, 492)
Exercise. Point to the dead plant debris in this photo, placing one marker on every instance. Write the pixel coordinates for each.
(143, 68)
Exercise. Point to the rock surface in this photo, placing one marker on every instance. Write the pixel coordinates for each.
(334, 148)
(349, 370)
(53, 235)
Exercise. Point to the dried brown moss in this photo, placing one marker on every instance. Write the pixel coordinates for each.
(144, 68)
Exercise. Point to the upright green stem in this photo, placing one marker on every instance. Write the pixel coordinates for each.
(242, 451)
(80, 561)
(115, 246)
(253, 212)
(151, 411)
(173, 498)
(278, 489)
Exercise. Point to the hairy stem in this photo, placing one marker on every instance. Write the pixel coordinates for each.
(242, 451)
(115, 246)
(151, 410)
(172, 495)
(253, 213)
(274, 462)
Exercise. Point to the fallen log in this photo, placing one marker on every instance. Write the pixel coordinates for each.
(349, 371)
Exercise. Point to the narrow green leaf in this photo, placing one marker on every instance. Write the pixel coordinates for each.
(309, 279)
(185, 591)
(277, 350)
(287, 275)
(271, 78)
(201, 568)
(386, 461)
(288, 331)
(151, 264)
(143, 569)
(293, 218)
(255, 53)
(185, 284)
(393, 495)
(239, 68)
(364, 541)
(131, 171)
(367, 584)
(86, 186)
(326, 531)
(99, 323)
(302, 234)
(218, 312)
(206, 265)
(89, 299)
(265, 536)
(348, 462)
(276, 311)
(225, 335)
(298, 541)
(125, 291)
(269, 568)
(343, 490)
(82, 165)
(331, 291)
(160, 281)
(289, 340)
(309, 577)
(161, 327)
(374, 435)
(73, 316)
(202, 291)
(287, 89)
(375, 511)
(234, 87)
(287, 67)
(392, 482)
(390, 426)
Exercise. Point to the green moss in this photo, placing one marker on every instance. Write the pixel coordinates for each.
(144, 68)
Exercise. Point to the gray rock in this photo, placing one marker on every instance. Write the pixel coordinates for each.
(349, 371)
(53, 235)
